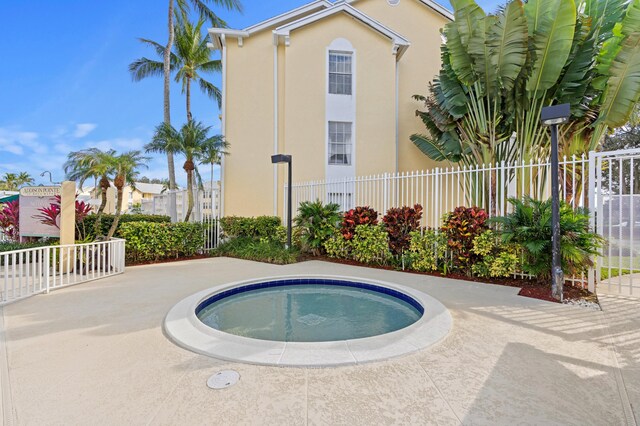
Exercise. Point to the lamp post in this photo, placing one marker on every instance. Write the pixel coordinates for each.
(552, 116)
(278, 159)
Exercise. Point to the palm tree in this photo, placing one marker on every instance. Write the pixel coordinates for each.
(125, 168)
(191, 58)
(9, 182)
(191, 141)
(204, 11)
(212, 153)
(91, 163)
(23, 179)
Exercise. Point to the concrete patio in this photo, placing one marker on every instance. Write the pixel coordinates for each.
(96, 354)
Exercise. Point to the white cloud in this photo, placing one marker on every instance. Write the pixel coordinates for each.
(119, 144)
(83, 129)
(15, 142)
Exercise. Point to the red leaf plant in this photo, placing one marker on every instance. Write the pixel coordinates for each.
(400, 222)
(10, 220)
(50, 215)
(358, 216)
(461, 227)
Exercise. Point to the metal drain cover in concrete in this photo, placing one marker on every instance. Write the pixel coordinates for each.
(223, 379)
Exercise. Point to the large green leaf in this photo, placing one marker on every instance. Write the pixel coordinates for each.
(631, 21)
(458, 55)
(552, 44)
(507, 41)
(467, 14)
(623, 86)
(446, 148)
(538, 12)
(481, 56)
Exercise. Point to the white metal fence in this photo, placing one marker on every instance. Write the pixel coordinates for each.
(27, 272)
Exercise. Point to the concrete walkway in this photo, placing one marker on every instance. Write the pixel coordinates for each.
(96, 354)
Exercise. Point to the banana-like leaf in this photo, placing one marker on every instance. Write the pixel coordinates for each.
(458, 55)
(481, 57)
(623, 86)
(631, 21)
(453, 93)
(446, 148)
(539, 12)
(552, 46)
(605, 14)
(507, 42)
(467, 13)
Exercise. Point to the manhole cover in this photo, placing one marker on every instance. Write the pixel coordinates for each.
(223, 379)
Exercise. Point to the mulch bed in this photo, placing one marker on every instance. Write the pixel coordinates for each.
(528, 288)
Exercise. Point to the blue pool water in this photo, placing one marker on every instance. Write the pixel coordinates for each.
(310, 310)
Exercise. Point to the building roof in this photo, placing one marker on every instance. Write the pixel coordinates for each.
(149, 188)
(400, 43)
(429, 3)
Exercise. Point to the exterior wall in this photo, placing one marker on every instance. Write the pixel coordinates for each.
(418, 66)
(306, 120)
(248, 173)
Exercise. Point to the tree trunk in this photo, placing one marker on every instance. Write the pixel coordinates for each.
(116, 217)
(104, 186)
(188, 91)
(167, 91)
(189, 194)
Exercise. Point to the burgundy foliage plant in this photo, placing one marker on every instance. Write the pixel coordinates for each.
(358, 216)
(461, 227)
(10, 220)
(400, 222)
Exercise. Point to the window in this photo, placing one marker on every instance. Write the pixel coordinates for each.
(340, 74)
(339, 143)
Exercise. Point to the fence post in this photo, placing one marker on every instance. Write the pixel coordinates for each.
(47, 255)
(385, 193)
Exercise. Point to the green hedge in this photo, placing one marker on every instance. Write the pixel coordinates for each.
(248, 248)
(11, 246)
(107, 220)
(149, 241)
(252, 227)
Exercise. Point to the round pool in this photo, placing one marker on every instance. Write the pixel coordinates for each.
(309, 310)
(308, 321)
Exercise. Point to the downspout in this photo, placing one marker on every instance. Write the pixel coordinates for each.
(397, 115)
(223, 43)
(275, 123)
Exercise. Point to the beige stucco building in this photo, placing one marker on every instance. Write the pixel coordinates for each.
(332, 85)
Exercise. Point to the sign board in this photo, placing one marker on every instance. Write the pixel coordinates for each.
(33, 198)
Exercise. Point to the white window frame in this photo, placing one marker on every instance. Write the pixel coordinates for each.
(337, 53)
(346, 143)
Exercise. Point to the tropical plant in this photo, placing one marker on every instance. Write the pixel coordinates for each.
(369, 244)
(400, 222)
(498, 71)
(427, 250)
(191, 141)
(461, 227)
(13, 181)
(125, 168)
(212, 153)
(10, 220)
(203, 10)
(262, 250)
(336, 246)
(529, 227)
(92, 163)
(358, 216)
(315, 224)
(50, 215)
(495, 258)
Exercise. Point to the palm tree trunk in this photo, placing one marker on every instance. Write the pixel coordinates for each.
(189, 194)
(116, 217)
(104, 186)
(188, 91)
(167, 93)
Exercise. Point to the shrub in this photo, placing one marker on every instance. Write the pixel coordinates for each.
(358, 216)
(107, 219)
(497, 259)
(338, 247)
(461, 227)
(259, 250)
(529, 227)
(399, 223)
(10, 220)
(315, 224)
(369, 245)
(150, 241)
(11, 246)
(427, 250)
(251, 227)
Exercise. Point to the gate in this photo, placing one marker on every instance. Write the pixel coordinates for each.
(614, 195)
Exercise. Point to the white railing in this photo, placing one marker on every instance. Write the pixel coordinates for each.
(443, 189)
(27, 272)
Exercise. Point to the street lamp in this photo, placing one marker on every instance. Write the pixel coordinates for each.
(278, 159)
(552, 116)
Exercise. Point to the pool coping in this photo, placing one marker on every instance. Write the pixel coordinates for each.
(184, 328)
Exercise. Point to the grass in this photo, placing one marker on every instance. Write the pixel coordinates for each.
(260, 251)
(615, 262)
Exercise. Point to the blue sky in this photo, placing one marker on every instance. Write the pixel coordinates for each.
(68, 85)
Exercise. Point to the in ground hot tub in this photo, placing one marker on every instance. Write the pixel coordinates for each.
(308, 321)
